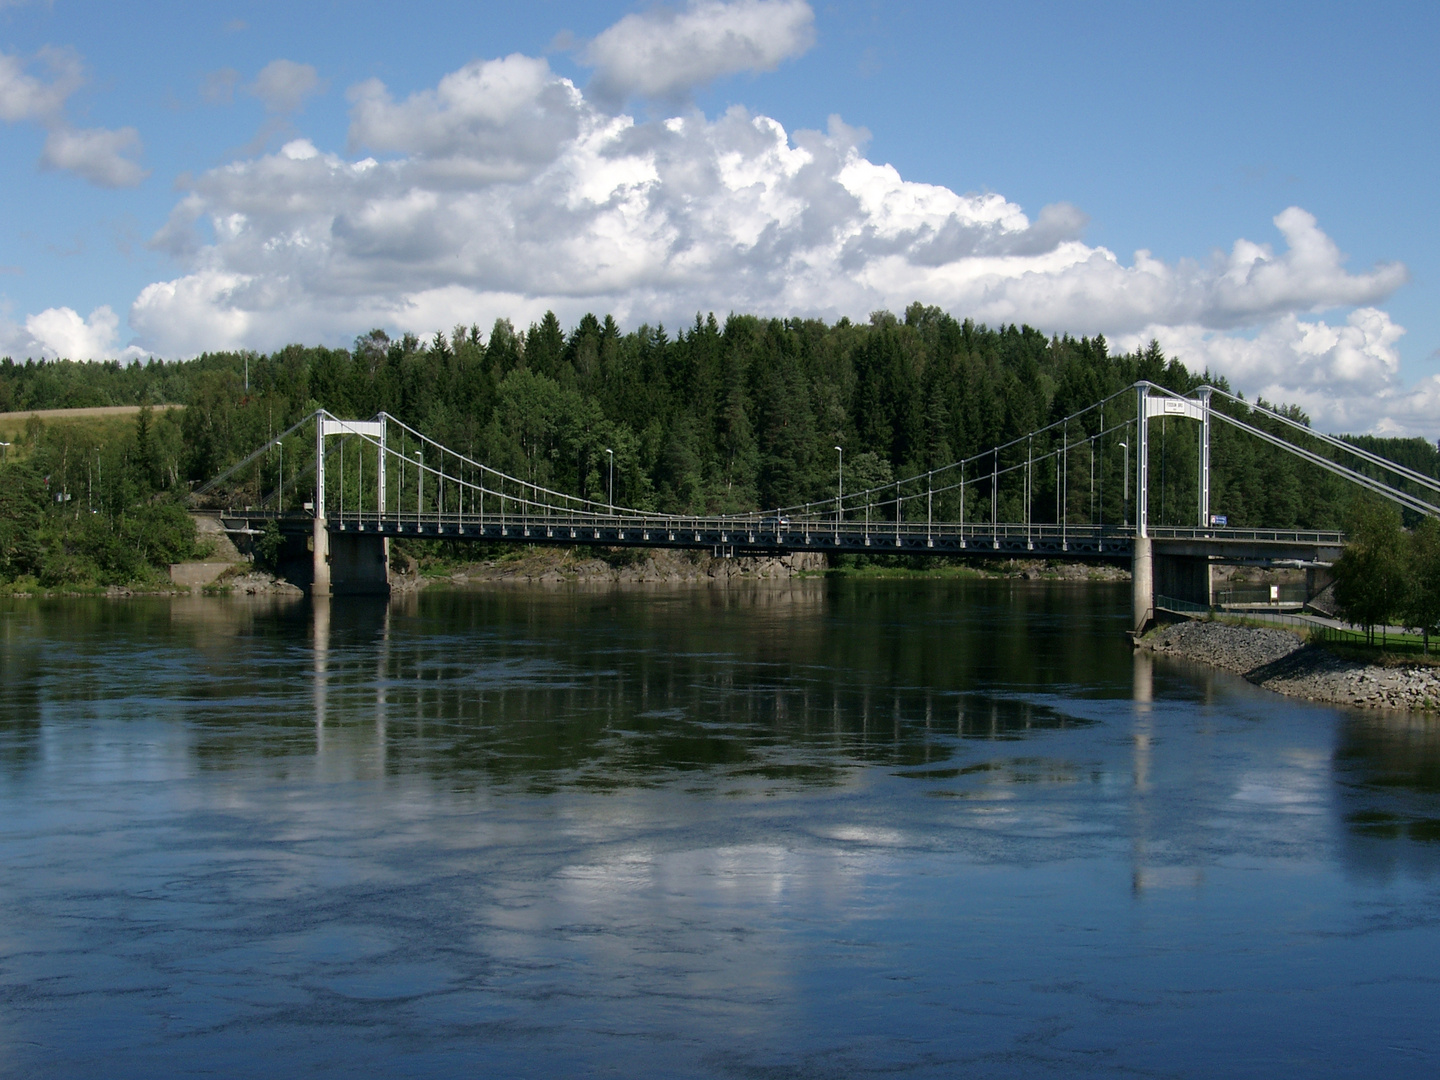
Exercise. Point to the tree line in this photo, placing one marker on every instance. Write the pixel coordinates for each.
(713, 418)
(1389, 576)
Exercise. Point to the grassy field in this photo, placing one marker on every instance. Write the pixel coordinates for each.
(101, 424)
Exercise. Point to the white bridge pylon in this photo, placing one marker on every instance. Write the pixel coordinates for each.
(1167, 405)
(371, 430)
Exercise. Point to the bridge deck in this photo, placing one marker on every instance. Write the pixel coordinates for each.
(780, 536)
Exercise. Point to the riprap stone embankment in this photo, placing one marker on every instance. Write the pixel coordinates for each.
(1280, 661)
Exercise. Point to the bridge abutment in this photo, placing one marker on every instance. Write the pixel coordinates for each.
(1186, 577)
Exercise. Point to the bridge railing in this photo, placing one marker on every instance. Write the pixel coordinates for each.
(725, 523)
(743, 528)
(1316, 537)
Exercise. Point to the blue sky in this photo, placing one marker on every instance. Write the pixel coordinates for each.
(1180, 130)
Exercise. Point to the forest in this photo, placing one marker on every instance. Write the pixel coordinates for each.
(710, 418)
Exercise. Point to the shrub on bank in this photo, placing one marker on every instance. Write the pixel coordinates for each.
(1387, 576)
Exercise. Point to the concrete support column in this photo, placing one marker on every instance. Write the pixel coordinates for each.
(1142, 582)
(320, 577)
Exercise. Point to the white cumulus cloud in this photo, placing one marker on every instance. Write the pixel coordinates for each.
(667, 54)
(1347, 377)
(25, 97)
(491, 120)
(283, 85)
(61, 333)
(102, 156)
(504, 191)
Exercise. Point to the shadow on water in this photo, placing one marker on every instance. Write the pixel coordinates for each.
(1387, 772)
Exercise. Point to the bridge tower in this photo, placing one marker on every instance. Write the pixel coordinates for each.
(345, 562)
(320, 542)
(1186, 577)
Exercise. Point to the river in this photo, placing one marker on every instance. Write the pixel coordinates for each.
(810, 829)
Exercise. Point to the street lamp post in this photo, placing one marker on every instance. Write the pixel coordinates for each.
(839, 488)
(612, 479)
(1126, 447)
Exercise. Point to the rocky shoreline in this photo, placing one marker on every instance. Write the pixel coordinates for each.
(235, 576)
(1278, 660)
(553, 566)
(666, 566)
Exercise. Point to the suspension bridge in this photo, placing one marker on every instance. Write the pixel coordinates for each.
(361, 483)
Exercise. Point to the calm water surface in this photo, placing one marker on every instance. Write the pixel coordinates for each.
(817, 829)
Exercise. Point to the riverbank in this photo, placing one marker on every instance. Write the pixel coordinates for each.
(542, 565)
(554, 565)
(547, 565)
(1279, 660)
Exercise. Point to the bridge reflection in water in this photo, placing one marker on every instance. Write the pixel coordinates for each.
(519, 688)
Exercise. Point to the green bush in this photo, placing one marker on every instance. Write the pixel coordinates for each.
(267, 547)
(1422, 608)
(1370, 576)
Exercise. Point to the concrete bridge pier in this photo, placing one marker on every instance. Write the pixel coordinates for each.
(320, 547)
(359, 564)
(1142, 582)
